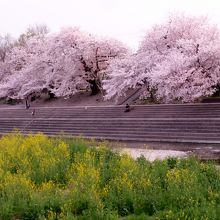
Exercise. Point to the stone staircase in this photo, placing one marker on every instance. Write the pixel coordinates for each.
(192, 123)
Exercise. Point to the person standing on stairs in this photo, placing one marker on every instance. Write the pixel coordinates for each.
(27, 105)
(127, 108)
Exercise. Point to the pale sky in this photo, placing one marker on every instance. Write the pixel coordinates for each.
(125, 20)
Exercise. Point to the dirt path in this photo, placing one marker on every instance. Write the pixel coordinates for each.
(162, 150)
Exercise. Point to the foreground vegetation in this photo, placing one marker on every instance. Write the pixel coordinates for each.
(44, 178)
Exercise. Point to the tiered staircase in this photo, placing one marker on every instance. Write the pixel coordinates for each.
(195, 123)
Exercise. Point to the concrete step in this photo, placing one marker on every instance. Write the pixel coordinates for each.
(148, 127)
(159, 132)
(180, 139)
(121, 123)
(124, 132)
(117, 115)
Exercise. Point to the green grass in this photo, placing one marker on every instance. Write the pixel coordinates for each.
(57, 178)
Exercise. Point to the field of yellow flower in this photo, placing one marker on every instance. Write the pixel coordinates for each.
(58, 178)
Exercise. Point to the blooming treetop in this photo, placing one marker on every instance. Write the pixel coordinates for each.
(178, 60)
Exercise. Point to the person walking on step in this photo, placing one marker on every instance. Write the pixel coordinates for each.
(33, 113)
(127, 108)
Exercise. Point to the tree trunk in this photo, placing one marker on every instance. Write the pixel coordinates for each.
(51, 95)
(217, 92)
(94, 87)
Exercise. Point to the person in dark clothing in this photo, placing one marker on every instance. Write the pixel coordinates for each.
(127, 108)
(26, 104)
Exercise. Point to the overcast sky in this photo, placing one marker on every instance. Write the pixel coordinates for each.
(125, 20)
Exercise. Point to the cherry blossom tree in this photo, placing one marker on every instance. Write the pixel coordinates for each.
(79, 61)
(19, 60)
(61, 64)
(176, 61)
(31, 32)
(6, 45)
